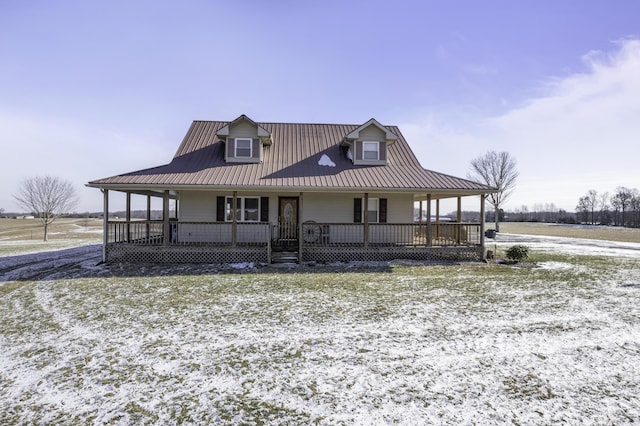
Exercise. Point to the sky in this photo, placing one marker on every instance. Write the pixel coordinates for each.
(94, 89)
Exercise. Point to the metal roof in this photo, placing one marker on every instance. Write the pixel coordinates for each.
(291, 163)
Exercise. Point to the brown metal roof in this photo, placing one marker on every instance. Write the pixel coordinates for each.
(290, 162)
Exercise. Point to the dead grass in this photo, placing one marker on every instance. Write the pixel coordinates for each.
(607, 233)
(25, 235)
(31, 229)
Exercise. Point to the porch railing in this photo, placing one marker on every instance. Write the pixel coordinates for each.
(314, 234)
(188, 233)
(390, 234)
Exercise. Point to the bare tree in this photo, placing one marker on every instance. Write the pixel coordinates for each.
(587, 206)
(621, 201)
(603, 202)
(497, 170)
(47, 198)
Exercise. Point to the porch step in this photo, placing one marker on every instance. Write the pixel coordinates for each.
(284, 257)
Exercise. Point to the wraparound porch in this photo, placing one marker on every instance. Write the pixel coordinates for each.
(175, 241)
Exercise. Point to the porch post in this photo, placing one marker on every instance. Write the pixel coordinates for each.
(165, 217)
(365, 209)
(128, 216)
(148, 216)
(420, 214)
(459, 220)
(429, 230)
(482, 225)
(234, 222)
(105, 223)
(300, 239)
(438, 218)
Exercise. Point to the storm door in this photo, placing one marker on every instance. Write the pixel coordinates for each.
(288, 221)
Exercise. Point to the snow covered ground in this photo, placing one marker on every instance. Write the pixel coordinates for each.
(381, 343)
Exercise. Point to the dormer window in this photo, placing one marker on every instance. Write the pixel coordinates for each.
(244, 140)
(368, 144)
(370, 150)
(244, 148)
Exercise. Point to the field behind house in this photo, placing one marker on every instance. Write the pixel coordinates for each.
(557, 340)
(608, 233)
(26, 235)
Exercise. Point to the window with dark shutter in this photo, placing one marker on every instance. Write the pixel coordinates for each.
(264, 209)
(382, 213)
(357, 210)
(220, 209)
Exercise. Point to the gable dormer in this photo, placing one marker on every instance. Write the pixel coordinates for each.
(244, 140)
(367, 145)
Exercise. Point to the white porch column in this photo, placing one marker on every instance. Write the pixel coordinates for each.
(429, 230)
(300, 236)
(482, 225)
(148, 217)
(105, 223)
(128, 216)
(365, 210)
(165, 217)
(234, 222)
(459, 220)
(437, 233)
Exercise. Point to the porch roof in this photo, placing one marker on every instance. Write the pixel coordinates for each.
(296, 160)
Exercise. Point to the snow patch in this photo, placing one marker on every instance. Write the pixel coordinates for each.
(242, 265)
(555, 265)
(326, 161)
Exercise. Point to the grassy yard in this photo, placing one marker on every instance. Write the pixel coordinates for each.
(392, 343)
(554, 341)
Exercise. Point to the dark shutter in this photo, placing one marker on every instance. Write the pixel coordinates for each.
(231, 146)
(357, 210)
(382, 213)
(256, 148)
(264, 209)
(358, 148)
(383, 151)
(220, 209)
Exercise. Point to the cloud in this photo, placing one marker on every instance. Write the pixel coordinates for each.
(581, 132)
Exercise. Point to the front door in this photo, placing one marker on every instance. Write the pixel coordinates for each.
(288, 221)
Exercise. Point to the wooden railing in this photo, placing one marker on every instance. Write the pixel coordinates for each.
(390, 234)
(313, 234)
(188, 233)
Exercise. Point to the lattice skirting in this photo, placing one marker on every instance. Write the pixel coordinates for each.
(185, 254)
(348, 254)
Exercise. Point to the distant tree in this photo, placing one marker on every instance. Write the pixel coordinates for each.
(586, 207)
(497, 170)
(582, 209)
(621, 201)
(634, 207)
(603, 203)
(47, 198)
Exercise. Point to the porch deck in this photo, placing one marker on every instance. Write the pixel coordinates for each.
(225, 242)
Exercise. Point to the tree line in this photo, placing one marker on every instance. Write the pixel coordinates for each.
(619, 209)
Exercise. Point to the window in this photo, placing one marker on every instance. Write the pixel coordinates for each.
(370, 150)
(244, 147)
(372, 210)
(247, 209)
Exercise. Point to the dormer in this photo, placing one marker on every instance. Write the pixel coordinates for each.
(244, 140)
(367, 145)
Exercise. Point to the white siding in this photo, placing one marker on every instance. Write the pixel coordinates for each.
(372, 133)
(197, 206)
(337, 207)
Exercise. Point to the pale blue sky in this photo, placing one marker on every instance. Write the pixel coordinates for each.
(91, 89)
